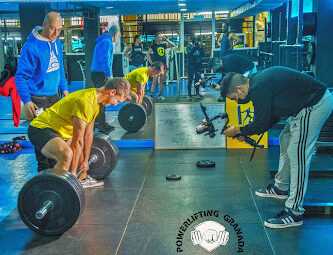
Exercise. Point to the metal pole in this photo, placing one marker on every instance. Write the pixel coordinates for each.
(182, 44)
(289, 32)
(300, 35)
(213, 34)
(253, 32)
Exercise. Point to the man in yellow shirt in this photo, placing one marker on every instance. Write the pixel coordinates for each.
(65, 131)
(139, 77)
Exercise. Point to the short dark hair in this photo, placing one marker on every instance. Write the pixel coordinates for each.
(230, 81)
(136, 37)
(157, 65)
(121, 85)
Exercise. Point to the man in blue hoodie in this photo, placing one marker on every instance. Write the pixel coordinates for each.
(101, 69)
(40, 72)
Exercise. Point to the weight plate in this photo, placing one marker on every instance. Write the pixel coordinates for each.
(205, 163)
(52, 185)
(173, 177)
(107, 152)
(148, 104)
(132, 117)
(311, 53)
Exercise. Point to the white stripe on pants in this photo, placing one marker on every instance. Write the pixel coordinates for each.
(297, 143)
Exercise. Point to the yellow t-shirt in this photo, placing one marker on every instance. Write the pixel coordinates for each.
(59, 117)
(137, 75)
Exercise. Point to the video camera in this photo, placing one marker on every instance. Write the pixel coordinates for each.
(208, 127)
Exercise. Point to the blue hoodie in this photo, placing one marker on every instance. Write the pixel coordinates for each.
(40, 69)
(103, 55)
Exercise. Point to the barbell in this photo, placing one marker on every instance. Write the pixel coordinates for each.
(51, 202)
(132, 117)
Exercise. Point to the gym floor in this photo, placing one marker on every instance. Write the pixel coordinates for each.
(139, 212)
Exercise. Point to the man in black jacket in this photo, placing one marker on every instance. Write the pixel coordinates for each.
(277, 92)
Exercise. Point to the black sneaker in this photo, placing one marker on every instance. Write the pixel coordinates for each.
(272, 191)
(284, 219)
(199, 96)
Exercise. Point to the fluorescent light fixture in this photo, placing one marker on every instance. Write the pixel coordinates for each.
(170, 34)
(206, 33)
(182, 4)
(219, 12)
(203, 13)
(109, 7)
(183, 10)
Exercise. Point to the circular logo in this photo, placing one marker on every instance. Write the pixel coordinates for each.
(161, 51)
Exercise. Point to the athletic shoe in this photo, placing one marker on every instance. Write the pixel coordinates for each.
(161, 97)
(272, 191)
(284, 219)
(90, 182)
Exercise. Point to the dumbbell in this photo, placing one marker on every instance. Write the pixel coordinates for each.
(132, 117)
(52, 201)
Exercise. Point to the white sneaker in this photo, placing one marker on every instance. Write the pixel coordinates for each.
(90, 182)
(161, 97)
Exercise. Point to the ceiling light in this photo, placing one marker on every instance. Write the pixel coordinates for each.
(217, 12)
(183, 10)
(109, 7)
(182, 4)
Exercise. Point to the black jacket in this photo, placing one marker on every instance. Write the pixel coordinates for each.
(280, 91)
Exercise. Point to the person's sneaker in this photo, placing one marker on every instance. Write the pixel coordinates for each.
(284, 219)
(90, 182)
(272, 191)
(199, 96)
(221, 99)
(160, 97)
(190, 97)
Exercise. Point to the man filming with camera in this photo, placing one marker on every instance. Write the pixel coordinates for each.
(283, 92)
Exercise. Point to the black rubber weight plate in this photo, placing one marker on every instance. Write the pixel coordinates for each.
(205, 163)
(107, 152)
(132, 117)
(173, 177)
(50, 185)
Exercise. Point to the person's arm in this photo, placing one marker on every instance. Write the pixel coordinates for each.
(25, 71)
(140, 92)
(79, 128)
(129, 49)
(148, 55)
(105, 55)
(63, 85)
(110, 61)
(88, 140)
(262, 105)
(219, 40)
(169, 43)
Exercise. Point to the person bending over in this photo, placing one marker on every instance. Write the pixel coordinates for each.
(138, 79)
(64, 132)
(277, 92)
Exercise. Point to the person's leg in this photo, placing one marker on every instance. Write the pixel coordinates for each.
(44, 102)
(197, 74)
(190, 71)
(305, 129)
(39, 137)
(161, 85)
(59, 150)
(153, 86)
(283, 175)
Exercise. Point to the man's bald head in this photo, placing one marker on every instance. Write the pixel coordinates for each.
(52, 26)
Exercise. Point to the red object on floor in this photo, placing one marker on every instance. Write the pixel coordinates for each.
(9, 88)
